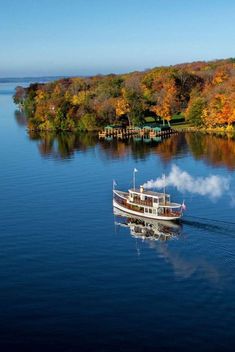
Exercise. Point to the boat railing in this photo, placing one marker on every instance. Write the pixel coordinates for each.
(123, 202)
(148, 203)
(169, 205)
(172, 213)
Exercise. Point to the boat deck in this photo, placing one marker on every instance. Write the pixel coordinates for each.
(148, 202)
(148, 193)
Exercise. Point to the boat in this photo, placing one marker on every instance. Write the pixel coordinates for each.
(146, 203)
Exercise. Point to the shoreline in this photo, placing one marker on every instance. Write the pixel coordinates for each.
(190, 128)
(180, 129)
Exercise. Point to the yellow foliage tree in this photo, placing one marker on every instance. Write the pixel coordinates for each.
(166, 101)
(219, 111)
(221, 75)
(79, 98)
(40, 95)
(122, 107)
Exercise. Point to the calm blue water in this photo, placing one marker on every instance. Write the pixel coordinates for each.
(72, 280)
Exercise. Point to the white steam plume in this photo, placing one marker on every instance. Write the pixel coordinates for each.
(213, 186)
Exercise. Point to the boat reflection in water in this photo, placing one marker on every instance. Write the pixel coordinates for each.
(147, 229)
(157, 235)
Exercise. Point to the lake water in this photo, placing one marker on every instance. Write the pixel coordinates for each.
(73, 279)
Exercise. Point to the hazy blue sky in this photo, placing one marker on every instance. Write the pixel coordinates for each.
(69, 37)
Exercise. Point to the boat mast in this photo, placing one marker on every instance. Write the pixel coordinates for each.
(164, 188)
(135, 170)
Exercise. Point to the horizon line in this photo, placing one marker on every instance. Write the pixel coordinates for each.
(27, 77)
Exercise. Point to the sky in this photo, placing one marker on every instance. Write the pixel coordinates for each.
(86, 37)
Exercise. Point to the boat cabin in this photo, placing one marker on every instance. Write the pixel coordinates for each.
(148, 198)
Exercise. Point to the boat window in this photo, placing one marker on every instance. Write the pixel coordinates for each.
(146, 210)
(150, 210)
(155, 200)
(154, 211)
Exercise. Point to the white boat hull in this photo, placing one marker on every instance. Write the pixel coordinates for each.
(148, 216)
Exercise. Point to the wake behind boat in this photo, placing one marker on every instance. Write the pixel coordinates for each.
(149, 204)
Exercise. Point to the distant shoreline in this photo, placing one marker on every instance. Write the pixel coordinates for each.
(30, 79)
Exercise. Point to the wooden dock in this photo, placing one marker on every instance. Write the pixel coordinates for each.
(118, 133)
(124, 133)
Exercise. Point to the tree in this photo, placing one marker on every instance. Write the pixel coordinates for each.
(88, 122)
(19, 96)
(166, 99)
(195, 110)
(122, 108)
(133, 95)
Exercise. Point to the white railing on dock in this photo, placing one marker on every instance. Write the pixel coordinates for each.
(127, 132)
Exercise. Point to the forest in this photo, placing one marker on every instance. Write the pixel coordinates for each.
(202, 93)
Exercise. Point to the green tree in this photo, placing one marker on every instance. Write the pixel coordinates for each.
(195, 109)
(87, 122)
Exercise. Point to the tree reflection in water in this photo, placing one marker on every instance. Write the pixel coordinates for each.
(216, 150)
(63, 145)
(20, 118)
(213, 149)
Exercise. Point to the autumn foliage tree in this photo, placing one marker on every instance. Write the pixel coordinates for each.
(166, 100)
(202, 91)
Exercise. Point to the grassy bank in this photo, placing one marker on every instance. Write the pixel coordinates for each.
(187, 127)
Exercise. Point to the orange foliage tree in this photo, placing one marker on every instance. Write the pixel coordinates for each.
(166, 99)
